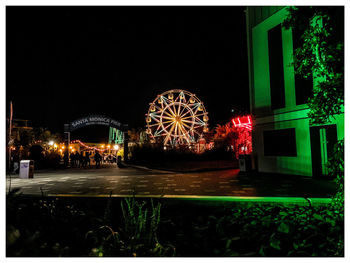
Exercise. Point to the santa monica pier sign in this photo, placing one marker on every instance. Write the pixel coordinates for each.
(94, 120)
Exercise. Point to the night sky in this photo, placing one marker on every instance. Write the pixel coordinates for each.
(63, 63)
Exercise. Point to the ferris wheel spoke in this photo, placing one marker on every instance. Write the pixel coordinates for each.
(189, 105)
(202, 122)
(154, 115)
(155, 124)
(184, 124)
(165, 102)
(185, 107)
(185, 134)
(160, 109)
(197, 132)
(165, 128)
(174, 108)
(188, 111)
(178, 98)
(166, 121)
(188, 117)
(168, 114)
(169, 108)
(155, 118)
(176, 124)
(178, 108)
(201, 114)
(169, 135)
(168, 118)
(196, 110)
(193, 122)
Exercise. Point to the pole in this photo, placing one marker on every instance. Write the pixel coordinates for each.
(67, 142)
(10, 133)
(126, 146)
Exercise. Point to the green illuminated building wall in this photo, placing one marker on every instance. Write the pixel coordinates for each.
(283, 141)
(115, 136)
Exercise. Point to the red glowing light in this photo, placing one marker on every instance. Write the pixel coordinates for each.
(243, 128)
(242, 122)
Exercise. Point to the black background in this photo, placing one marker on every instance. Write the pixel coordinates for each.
(64, 63)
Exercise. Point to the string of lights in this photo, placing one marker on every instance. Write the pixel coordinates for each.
(86, 146)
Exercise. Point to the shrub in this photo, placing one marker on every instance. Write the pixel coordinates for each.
(336, 170)
(52, 160)
(37, 154)
(155, 153)
(136, 235)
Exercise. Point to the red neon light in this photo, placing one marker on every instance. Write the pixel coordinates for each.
(242, 122)
(243, 128)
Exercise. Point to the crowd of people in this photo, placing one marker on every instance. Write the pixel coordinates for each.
(83, 159)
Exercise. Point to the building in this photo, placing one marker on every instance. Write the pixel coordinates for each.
(283, 140)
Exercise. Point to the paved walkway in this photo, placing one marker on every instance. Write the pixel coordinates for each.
(128, 181)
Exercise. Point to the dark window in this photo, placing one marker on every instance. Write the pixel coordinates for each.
(280, 143)
(276, 68)
(303, 86)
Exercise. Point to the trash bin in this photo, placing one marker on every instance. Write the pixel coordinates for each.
(26, 169)
(245, 163)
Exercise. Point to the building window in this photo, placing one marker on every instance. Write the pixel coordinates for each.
(280, 143)
(276, 68)
(303, 86)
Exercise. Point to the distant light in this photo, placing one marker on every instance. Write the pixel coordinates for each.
(55, 145)
(102, 146)
(51, 143)
(108, 146)
(70, 147)
(116, 147)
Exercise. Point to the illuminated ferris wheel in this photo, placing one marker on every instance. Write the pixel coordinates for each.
(176, 117)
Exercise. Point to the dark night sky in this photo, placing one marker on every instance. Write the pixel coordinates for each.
(63, 63)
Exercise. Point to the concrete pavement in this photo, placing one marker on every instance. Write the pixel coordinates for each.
(147, 182)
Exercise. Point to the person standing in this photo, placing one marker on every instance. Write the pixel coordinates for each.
(77, 159)
(97, 159)
(87, 159)
(72, 159)
(16, 163)
(82, 160)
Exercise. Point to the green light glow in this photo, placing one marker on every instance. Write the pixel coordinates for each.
(292, 115)
(234, 199)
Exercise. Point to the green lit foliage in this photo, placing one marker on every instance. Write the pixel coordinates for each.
(259, 230)
(336, 170)
(72, 227)
(321, 57)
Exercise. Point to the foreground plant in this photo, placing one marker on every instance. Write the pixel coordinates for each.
(136, 237)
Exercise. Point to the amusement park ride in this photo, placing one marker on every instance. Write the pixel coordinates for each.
(176, 117)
